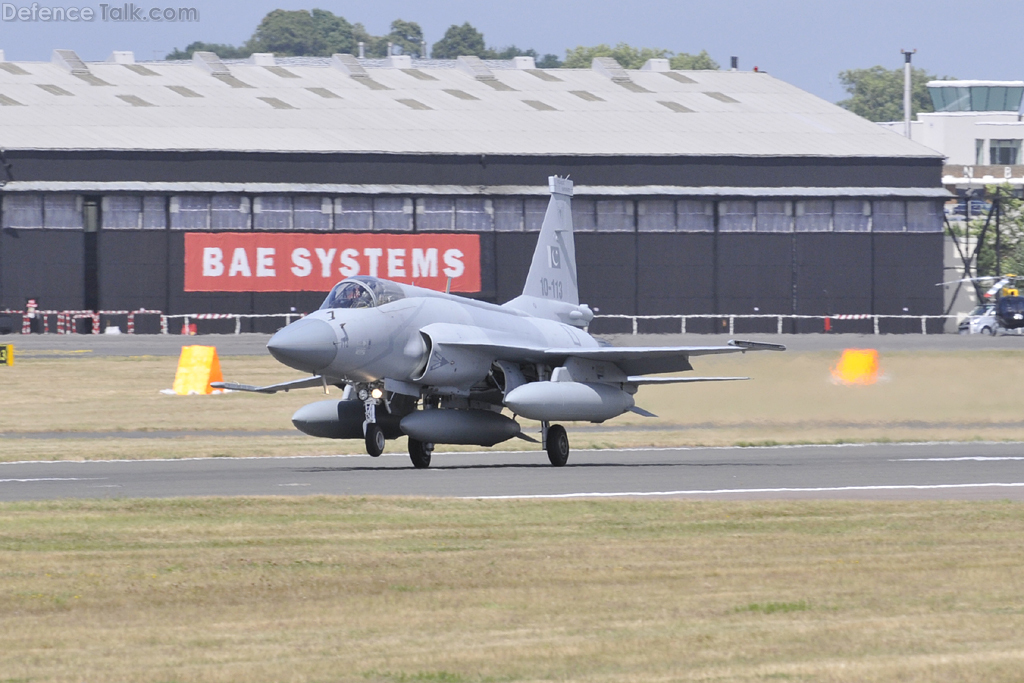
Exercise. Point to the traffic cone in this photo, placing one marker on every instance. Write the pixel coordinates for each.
(197, 367)
(856, 366)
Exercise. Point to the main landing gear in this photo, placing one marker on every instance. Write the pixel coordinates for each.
(556, 442)
(419, 453)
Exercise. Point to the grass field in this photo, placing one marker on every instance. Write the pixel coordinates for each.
(397, 590)
(923, 396)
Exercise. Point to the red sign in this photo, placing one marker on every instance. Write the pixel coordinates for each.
(307, 262)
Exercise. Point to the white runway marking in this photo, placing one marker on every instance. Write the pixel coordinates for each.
(822, 489)
(978, 458)
(25, 481)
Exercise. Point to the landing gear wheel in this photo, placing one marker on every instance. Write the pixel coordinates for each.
(558, 445)
(419, 453)
(374, 440)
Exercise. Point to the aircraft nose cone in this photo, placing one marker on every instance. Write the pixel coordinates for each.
(307, 345)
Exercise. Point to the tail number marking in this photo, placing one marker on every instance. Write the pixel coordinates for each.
(551, 288)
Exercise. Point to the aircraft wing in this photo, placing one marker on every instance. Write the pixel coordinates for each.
(633, 360)
(305, 383)
(647, 360)
(678, 380)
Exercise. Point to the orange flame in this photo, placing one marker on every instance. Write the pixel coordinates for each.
(857, 366)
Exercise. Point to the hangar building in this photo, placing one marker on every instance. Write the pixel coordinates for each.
(696, 192)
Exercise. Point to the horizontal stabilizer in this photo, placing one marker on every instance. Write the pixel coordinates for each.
(679, 380)
(306, 383)
(640, 411)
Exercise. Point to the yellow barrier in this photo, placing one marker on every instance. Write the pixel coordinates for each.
(6, 354)
(197, 367)
(857, 366)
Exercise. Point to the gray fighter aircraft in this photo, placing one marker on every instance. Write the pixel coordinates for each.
(440, 368)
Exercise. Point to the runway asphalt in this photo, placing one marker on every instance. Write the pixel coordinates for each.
(971, 471)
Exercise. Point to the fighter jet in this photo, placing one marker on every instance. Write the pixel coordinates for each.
(442, 369)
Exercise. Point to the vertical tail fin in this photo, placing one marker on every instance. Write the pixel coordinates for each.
(553, 270)
(552, 289)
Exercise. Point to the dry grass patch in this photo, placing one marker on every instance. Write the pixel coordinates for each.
(790, 400)
(370, 589)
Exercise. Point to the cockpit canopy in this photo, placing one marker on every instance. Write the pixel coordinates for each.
(362, 291)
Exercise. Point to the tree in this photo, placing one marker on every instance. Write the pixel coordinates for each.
(877, 93)
(688, 62)
(634, 57)
(459, 41)
(301, 32)
(407, 36)
(223, 51)
(627, 56)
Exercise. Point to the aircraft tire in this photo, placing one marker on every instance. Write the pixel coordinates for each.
(374, 440)
(558, 445)
(419, 453)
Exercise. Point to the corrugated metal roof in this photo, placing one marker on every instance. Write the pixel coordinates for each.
(469, 190)
(768, 118)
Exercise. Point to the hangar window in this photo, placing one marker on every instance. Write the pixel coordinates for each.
(656, 215)
(392, 214)
(695, 215)
(54, 89)
(474, 214)
(183, 91)
(615, 215)
(539, 106)
(272, 213)
(190, 212)
(924, 216)
(888, 216)
(13, 69)
(736, 216)
(585, 95)
(62, 211)
(814, 215)
(435, 213)
(413, 104)
(852, 215)
(324, 93)
(135, 101)
(508, 215)
(353, 213)
(461, 94)
(23, 210)
(312, 212)
(154, 212)
(276, 103)
(121, 212)
(774, 216)
(534, 209)
(584, 215)
(229, 212)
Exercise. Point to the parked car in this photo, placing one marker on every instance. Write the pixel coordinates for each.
(982, 320)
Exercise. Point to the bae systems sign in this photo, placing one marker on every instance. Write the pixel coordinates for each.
(305, 262)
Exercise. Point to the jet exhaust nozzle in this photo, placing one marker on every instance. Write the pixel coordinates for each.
(308, 344)
(466, 427)
(581, 401)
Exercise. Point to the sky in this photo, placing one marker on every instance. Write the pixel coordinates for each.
(806, 43)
